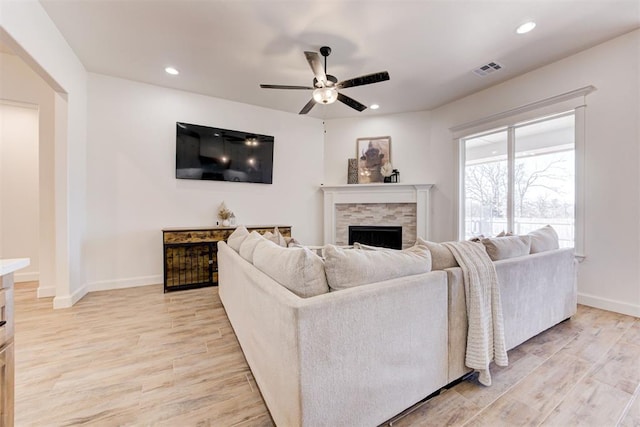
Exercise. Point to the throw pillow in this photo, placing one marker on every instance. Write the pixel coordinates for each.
(276, 237)
(441, 256)
(297, 269)
(249, 245)
(507, 247)
(291, 242)
(348, 268)
(237, 237)
(544, 239)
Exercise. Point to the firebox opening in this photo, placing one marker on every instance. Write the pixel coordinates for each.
(383, 236)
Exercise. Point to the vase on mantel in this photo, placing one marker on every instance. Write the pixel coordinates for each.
(226, 223)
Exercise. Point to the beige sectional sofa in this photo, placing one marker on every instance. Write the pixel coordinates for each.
(360, 355)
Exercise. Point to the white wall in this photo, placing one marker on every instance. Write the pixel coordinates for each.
(409, 144)
(19, 219)
(29, 31)
(610, 275)
(133, 192)
(21, 84)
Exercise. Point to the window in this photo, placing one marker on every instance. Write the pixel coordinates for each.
(521, 177)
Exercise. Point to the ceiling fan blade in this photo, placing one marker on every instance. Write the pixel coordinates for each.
(316, 66)
(364, 80)
(308, 107)
(285, 87)
(351, 102)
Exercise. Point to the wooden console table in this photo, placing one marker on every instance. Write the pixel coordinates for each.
(191, 254)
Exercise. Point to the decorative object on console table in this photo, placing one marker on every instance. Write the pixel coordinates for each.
(372, 154)
(191, 254)
(225, 215)
(352, 171)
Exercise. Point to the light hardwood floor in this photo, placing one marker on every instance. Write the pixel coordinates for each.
(139, 357)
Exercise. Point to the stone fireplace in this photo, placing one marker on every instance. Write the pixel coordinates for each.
(403, 205)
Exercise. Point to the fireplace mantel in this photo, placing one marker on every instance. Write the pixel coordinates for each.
(376, 193)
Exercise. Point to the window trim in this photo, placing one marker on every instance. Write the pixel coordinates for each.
(544, 107)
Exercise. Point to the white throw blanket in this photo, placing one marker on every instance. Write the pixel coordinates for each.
(485, 337)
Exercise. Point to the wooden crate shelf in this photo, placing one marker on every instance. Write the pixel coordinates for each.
(191, 254)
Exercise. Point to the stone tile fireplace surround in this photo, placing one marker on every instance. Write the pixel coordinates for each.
(405, 205)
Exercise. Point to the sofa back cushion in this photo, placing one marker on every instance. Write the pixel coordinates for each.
(346, 268)
(544, 239)
(297, 269)
(249, 244)
(441, 256)
(237, 237)
(507, 247)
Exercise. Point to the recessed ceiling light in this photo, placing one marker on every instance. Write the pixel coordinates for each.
(374, 106)
(526, 27)
(172, 71)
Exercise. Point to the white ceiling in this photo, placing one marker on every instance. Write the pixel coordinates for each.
(226, 48)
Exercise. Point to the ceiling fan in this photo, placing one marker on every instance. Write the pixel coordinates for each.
(326, 87)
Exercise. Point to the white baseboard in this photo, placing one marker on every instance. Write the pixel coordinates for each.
(102, 285)
(609, 304)
(67, 301)
(46, 292)
(19, 277)
(105, 285)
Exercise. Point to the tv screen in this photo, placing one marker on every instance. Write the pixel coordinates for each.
(223, 155)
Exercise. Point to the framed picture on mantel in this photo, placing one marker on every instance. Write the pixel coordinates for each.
(372, 153)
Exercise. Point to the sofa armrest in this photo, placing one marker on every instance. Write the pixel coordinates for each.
(537, 292)
(264, 315)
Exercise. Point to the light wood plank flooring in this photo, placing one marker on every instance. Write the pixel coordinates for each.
(139, 357)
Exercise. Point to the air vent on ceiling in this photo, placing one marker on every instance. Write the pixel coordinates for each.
(487, 69)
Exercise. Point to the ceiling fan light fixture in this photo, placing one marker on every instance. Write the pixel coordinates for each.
(325, 95)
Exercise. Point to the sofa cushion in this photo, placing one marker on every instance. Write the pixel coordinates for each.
(291, 242)
(347, 268)
(249, 244)
(277, 238)
(237, 237)
(544, 239)
(507, 247)
(297, 269)
(441, 256)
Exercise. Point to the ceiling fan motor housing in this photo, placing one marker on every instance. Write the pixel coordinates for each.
(331, 81)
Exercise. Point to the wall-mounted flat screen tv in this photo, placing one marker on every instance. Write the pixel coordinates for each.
(204, 152)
